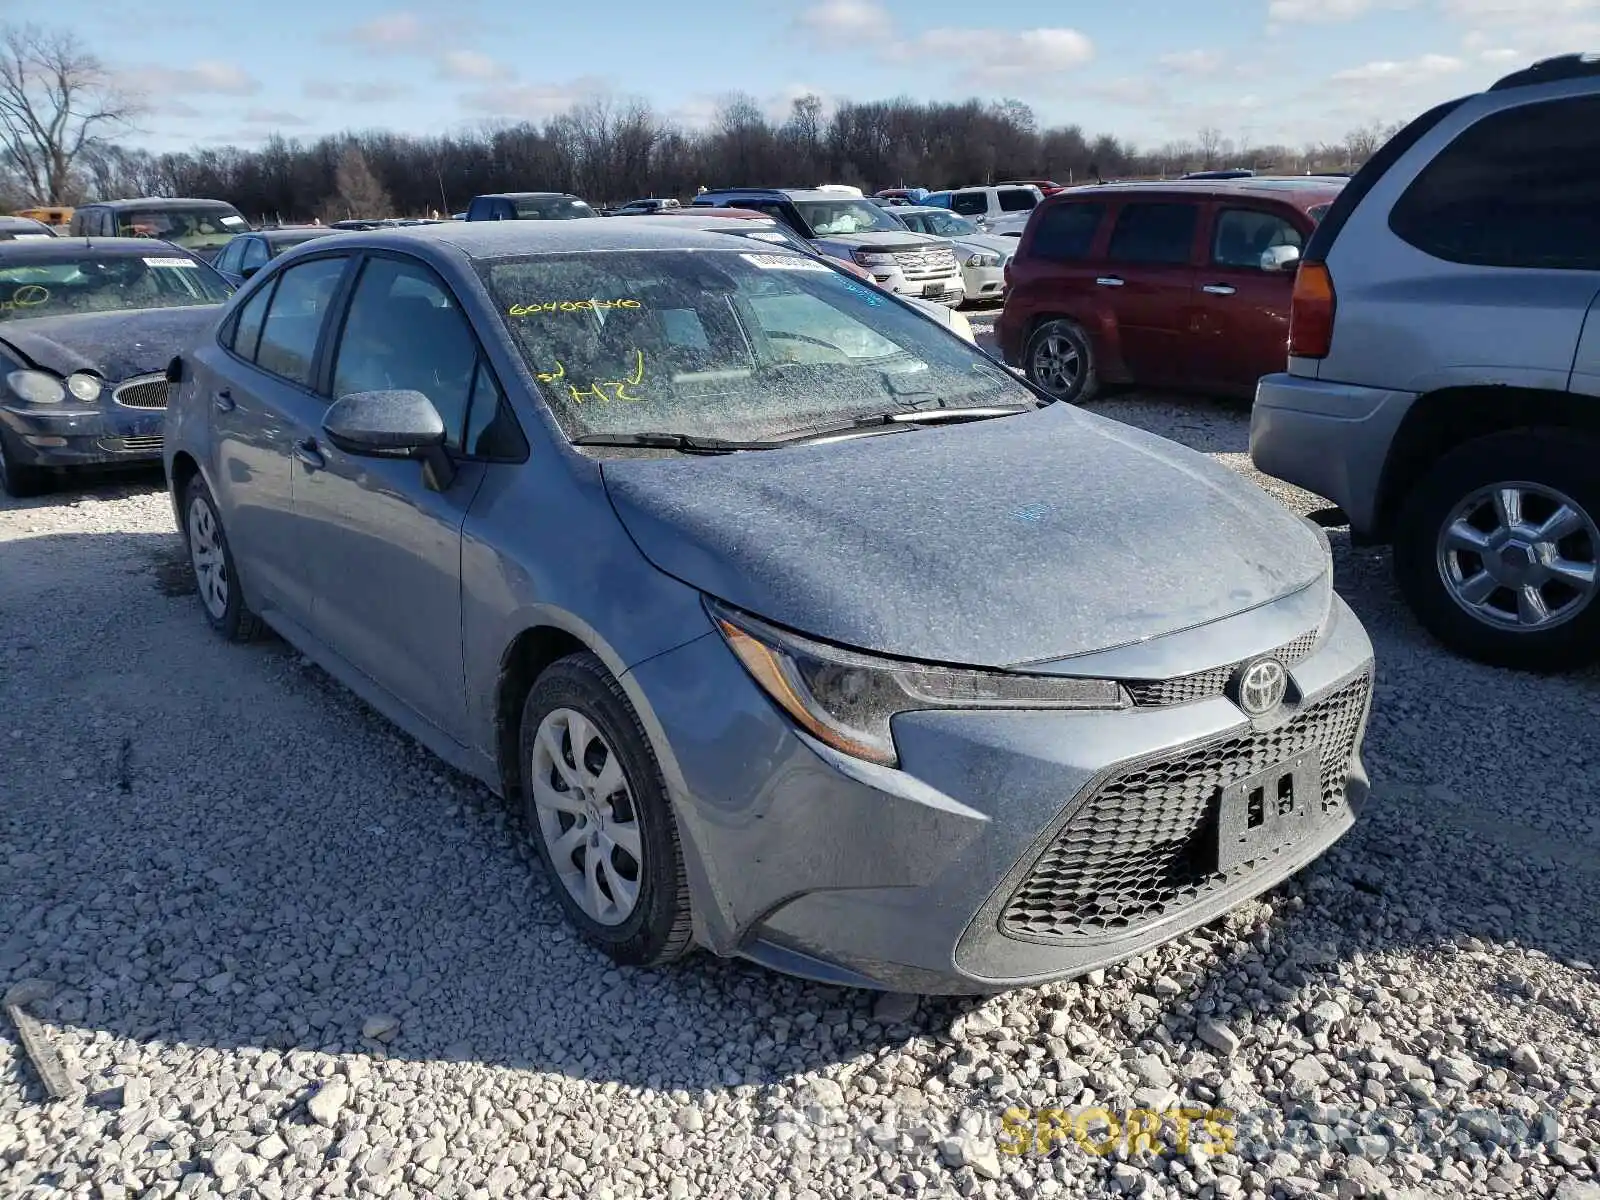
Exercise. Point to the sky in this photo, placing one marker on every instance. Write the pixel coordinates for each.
(1150, 71)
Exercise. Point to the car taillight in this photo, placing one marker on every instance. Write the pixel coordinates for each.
(1311, 312)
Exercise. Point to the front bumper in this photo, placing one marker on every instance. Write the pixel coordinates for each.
(948, 290)
(984, 283)
(1329, 438)
(89, 435)
(946, 874)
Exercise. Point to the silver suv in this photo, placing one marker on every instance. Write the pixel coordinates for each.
(1444, 366)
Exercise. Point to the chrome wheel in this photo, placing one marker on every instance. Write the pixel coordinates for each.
(586, 816)
(1057, 364)
(206, 553)
(1520, 556)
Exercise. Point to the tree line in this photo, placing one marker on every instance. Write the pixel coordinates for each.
(66, 134)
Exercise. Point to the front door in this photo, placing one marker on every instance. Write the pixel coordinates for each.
(385, 550)
(259, 387)
(1240, 329)
(1147, 280)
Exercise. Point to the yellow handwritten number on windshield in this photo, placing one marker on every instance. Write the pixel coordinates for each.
(569, 306)
(604, 390)
(29, 295)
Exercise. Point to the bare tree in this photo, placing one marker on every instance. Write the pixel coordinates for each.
(1209, 143)
(57, 102)
(356, 190)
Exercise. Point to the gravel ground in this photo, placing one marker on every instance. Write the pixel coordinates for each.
(293, 954)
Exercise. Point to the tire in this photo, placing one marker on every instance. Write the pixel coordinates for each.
(18, 480)
(1060, 360)
(216, 580)
(578, 696)
(1477, 603)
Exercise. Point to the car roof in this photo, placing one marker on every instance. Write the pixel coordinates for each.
(294, 233)
(109, 247)
(1303, 191)
(12, 221)
(503, 239)
(724, 212)
(524, 195)
(922, 208)
(159, 202)
(787, 193)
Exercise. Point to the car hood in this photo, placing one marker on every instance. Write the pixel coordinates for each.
(114, 345)
(1001, 543)
(986, 243)
(913, 242)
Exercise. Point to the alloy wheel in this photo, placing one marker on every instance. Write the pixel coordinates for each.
(206, 553)
(1520, 556)
(587, 816)
(1057, 364)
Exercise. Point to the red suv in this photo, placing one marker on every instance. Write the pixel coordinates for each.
(1181, 284)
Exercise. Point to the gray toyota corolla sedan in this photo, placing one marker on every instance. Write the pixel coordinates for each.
(802, 629)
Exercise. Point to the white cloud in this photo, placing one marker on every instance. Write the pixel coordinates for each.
(532, 101)
(996, 58)
(471, 65)
(1193, 62)
(352, 93)
(274, 117)
(834, 22)
(391, 32)
(1421, 70)
(1326, 12)
(203, 78)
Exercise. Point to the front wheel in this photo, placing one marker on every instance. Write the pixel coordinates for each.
(1060, 359)
(16, 479)
(1497, 550)
(599, 815)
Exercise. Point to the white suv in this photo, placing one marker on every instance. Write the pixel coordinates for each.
(1004, 210)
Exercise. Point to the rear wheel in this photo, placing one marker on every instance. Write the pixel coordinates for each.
(1060, 360)
(17, 479)
(215, 578)
(1497, 550)
(599, 816)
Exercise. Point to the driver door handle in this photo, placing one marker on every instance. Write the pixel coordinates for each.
(1218, 289)
(1109, 281)
(222, 401)
(306, 451)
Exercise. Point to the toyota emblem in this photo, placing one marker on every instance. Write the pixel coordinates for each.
(1262, 685)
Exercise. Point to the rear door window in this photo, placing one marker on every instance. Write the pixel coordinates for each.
(255, 254)
(1156, 234)
(1065, 232)
(247, 326)
(1520, 188)
(970, 204)
(294, 318)
(1017, 199)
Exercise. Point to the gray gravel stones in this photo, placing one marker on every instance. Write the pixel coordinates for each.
(1414, 1016)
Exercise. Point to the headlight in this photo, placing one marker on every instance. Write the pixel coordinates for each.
(984, 260)
(84, 386)
(847, 699)
(873, 258)
(36, 387)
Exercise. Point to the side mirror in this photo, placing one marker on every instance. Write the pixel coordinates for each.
(246, 272)
(1278, 259)
(398, 424)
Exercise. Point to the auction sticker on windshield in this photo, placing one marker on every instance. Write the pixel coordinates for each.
(170, 262)
(785, 262)
(234, 222)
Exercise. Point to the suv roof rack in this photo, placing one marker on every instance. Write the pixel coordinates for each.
(1551, 70)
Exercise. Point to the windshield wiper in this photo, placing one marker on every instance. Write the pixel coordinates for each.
(901, 416)
(683, 442)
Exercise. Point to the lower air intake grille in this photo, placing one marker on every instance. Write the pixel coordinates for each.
(1144, 843)
(146, 444)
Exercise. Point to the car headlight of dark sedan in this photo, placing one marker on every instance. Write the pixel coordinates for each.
(41, 387)
(847, 699)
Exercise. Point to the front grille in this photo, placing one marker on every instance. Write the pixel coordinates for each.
(143, 444)
(149, 391)
(1203, 685)
(926, 264)
(1144, 842)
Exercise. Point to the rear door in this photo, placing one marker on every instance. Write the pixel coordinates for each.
(1147, 279)
(263, 407)
(1053, 275)
(1240, 326)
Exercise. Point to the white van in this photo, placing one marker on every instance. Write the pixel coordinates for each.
(1003, 210)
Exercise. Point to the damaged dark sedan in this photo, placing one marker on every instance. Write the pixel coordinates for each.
(87, 327)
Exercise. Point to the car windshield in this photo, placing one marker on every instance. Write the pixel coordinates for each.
(551, 208)
(846, 216)
(191, 228)
(731, 344)
(79, 283)
(946, 224)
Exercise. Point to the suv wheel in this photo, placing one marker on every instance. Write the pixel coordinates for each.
(1060, 360)
(599, 815)
(1498, 550)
